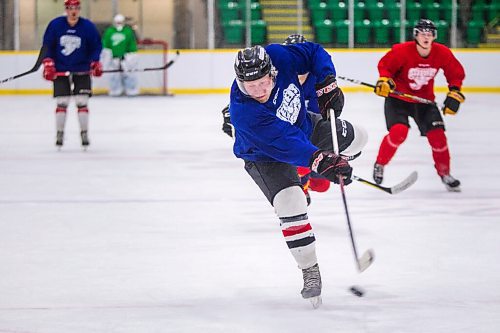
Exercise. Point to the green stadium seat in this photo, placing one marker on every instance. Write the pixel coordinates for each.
(338, 12)
(319, 12)
(233, 31)
(324, 32)
(381, 31)
(362, 31)
(376, 11)
(359, 11)
(259, 32)
(230, 11)
(474, 32)
(395, 27)
(342, 28)
(312, 3)
(478, 12)
(332, 3)
(432, 11)
(393, 11)
(493, 11)
(443, 29)
(413, 11)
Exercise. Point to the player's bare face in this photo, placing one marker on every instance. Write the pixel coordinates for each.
(259, 89)
(425, 39)
(73, 13)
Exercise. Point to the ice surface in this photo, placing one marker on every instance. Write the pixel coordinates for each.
(157, 228)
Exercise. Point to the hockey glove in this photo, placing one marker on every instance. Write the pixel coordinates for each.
(96, 68)
(227, 126)
(49, 69)
(452, 101)
(384, 86)
(331, 166)
(329, 97)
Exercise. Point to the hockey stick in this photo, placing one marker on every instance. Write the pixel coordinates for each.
(167, 65)
(35, 68)
(367, 258)
(395, 92)
(120, 70)
(398, 188)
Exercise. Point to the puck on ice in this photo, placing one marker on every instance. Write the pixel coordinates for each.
(358, 291)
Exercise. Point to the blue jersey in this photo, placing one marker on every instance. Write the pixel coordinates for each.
(72, 48)
(279, 129)
(310, 94)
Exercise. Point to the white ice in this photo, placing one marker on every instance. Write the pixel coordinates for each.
(157, 228)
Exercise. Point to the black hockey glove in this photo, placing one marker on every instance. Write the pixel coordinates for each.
(227, 126)
(331, 166)
(452, 101)
(329, 97)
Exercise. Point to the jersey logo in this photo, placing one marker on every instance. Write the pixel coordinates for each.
(290, 105)
(421, 76)
(117, 38)
(70, 44)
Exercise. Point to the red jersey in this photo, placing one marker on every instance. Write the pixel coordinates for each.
(414, 74)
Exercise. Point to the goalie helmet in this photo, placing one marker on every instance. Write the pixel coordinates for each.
(425, 25)
(68, 3)
(294, 39)
(252, 63)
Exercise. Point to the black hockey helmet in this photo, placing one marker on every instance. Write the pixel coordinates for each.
(252, 63)
(294, 39)
(425, 25)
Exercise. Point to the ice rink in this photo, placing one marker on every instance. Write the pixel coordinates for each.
(157, 227)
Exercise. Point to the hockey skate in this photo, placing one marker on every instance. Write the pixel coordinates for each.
(378, 173)
(451, 184)
(85, 139)
(312, 285)
(59, 139)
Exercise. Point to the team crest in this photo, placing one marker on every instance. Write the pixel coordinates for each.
(290, 105)
(70, 44)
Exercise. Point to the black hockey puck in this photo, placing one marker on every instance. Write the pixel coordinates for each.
(358, 291)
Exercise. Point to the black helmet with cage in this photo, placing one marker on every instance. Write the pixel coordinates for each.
(294, 39)
(425, 25)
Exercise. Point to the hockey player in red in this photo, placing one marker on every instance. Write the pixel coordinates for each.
(410, 68)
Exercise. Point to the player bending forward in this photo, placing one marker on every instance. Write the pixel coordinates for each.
(74, 46)
(274, 134)
(410, 68)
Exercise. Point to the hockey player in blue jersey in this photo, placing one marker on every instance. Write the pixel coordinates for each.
(274, 134)
(73, 45)
(356, 139)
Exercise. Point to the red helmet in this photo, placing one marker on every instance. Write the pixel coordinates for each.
(71, 3)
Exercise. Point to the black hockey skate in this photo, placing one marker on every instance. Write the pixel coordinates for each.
(85, 139)
(451, 184)
(59, 139)
(312, 285)
(378, 173)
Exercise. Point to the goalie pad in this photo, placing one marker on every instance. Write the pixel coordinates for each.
(106, 58)
(130, 62)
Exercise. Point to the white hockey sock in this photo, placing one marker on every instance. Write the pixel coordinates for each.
(83, 118)
(291, 207)
(60, 119)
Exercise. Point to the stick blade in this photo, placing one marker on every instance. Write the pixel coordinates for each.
(407, 182)
(366, 260)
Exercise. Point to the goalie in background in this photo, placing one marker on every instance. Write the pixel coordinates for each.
(120, 52)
